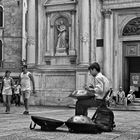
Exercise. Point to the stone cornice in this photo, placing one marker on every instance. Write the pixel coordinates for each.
(121, 4)
(51, 6)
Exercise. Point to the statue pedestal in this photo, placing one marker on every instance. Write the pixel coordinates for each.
(60, 52)
(61, 59)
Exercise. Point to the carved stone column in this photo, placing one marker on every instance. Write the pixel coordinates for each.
(107, 43)
(31, 33)
(84, 33)
(72, 35)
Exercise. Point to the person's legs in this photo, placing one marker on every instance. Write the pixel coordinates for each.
(23, 96)
(83, 105)
(4, 101)
(26, 101)
(26, 104)
(128, 102)
(18, 100)
(8, 103)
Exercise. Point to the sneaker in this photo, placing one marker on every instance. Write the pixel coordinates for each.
(26, 112)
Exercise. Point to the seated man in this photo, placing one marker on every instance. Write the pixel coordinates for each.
(130, 97)
(121, 95)
(99, 84)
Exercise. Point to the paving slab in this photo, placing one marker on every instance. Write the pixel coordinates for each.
(15, 126)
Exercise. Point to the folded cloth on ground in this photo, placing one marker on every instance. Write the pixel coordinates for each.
(81, 94)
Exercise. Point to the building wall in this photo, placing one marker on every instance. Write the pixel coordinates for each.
(58, 74)
(121, 13)
(11, 34)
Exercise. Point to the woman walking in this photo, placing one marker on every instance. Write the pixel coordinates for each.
(7, 84)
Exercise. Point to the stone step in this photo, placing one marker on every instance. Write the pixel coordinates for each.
(123, 108)
(137, 100)
(133, 107)
(135, 104)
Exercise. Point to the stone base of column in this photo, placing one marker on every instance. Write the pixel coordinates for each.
(30, 65)
(84, 64)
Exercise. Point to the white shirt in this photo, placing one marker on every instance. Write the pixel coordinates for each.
(100, 84)
(7, 90)
(17, 89)
(25, 81)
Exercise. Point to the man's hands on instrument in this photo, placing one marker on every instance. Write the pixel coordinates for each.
(90, 90)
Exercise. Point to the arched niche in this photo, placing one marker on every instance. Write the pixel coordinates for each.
(55, 55)
(58, 15)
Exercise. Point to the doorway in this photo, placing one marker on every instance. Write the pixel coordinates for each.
(131, 66)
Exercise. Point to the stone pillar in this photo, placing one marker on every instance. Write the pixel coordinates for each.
(84, 33)
(72, 35)
(24, 31)
(107, 44)
(31, 33)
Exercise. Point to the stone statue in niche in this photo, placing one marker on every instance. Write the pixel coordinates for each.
(62, 38)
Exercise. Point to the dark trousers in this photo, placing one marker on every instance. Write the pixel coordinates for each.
(17, 99)
(83, 105)
(128, 102)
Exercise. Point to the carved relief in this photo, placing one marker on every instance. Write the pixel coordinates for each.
(30, 40)
(84, 37)
(61, 36)
(106, 12)
(132, 27)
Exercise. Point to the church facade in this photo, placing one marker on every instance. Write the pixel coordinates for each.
(58, 39)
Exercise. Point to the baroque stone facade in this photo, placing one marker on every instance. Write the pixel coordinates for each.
(58, 39)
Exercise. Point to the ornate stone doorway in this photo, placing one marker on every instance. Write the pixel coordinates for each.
(131, 56)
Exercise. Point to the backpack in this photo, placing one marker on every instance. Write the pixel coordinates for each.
(104, 119)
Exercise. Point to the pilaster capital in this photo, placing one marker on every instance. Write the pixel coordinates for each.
(106, 12)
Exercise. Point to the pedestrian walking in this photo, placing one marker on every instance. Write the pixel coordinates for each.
(17, 92)
(7, 85)
(25, 80)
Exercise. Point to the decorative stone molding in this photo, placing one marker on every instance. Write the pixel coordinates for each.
(106, 12)
(60, 5)
(31, 40)
(60, 14)
(60, 47)
(60, 60)
(84, 37)
(121, 4)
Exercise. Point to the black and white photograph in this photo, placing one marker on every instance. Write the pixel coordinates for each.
(69, 69)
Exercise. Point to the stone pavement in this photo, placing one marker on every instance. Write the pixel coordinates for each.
(15, 126)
